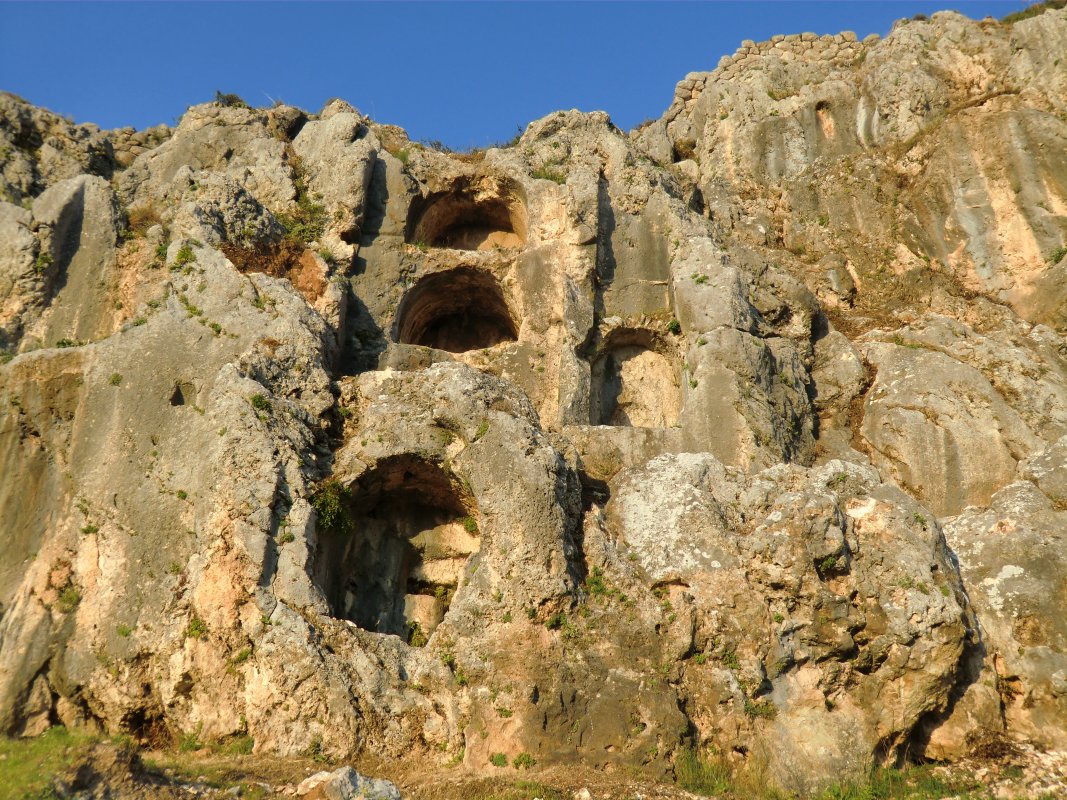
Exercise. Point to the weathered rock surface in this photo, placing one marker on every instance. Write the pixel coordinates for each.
(346, 784)
(1012, 557)
(852, 587)
(591, 448)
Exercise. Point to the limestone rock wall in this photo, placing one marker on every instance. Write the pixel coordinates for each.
(741, 431)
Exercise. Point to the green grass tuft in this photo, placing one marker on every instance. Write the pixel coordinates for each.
(69, 598)
(330, 502)
(697, 775)
(29, 766)
(196, 629)
(523, 761)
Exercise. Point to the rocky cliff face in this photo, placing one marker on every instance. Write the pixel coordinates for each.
(744, 431)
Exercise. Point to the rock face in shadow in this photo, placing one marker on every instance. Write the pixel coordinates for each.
(741, 432)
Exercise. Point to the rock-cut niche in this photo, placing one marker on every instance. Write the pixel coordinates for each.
(396, 567)
(485, 217)
(634, 382)
(456, 310)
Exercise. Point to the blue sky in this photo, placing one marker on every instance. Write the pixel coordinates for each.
(464, 73)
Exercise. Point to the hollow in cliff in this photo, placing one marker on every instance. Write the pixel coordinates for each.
(457, 310)
(392, 557)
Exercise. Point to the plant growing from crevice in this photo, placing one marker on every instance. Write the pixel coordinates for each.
(259, 402)
(416, 636)
(755, 709)
(550, 172)
(827, 565)
(730, 660)
(183, 257)
(196, 629)
(330, 502)
(69, 598)
(308, 222)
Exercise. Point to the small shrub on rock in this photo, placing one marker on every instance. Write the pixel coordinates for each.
(196, 629)
(330, 502)
(230, 100)
(69, 598)
(523, 761)
(259, 402)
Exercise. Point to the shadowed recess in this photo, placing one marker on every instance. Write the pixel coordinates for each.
(634, 384)
(485, 215)
(396, 567)
(458, 310)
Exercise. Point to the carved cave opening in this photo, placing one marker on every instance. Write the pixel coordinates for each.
(397, 566)
(471, 218)
(634, 382)
(457, 310)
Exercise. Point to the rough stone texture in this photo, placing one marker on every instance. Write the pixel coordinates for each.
(593, 447)
(346, 784)
(932, 142)
(232, 141)
(340, 154)
(1012, 557)
(19, 276)
(849, 581)
(951, 411)
(39, 148)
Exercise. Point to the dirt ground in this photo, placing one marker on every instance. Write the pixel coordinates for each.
(104, 769)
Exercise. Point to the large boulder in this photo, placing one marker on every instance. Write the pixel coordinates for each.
(827, 617)
(1012, 558)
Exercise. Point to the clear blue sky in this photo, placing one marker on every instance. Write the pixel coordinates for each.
(464, 73)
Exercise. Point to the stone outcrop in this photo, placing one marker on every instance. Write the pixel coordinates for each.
(346, 784)
(742, 432)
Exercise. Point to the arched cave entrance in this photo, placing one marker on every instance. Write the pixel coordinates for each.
(397, 566)
(458, 310)
(634, 382)
(482, 217)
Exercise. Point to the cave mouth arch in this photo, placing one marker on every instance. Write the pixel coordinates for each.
(634, 381)
(397, 566)
(483, 215)
(456, 310)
